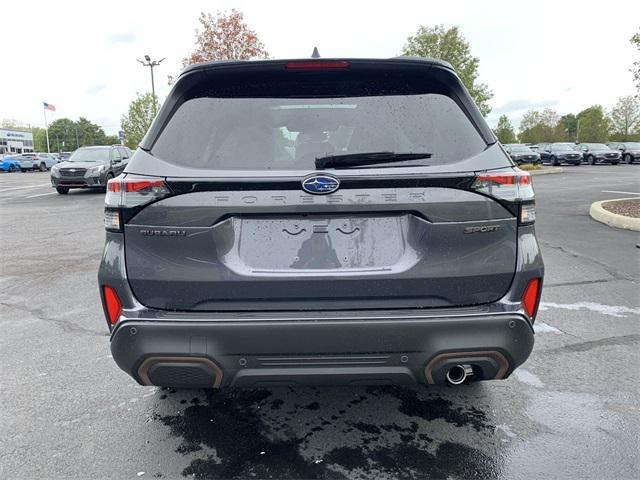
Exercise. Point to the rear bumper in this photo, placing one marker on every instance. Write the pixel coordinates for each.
(365, 349)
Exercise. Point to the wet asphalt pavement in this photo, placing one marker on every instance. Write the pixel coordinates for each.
(67, 411)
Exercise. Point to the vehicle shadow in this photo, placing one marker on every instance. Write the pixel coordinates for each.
(337, 432)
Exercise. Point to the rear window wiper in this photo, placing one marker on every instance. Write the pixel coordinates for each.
(366, 158)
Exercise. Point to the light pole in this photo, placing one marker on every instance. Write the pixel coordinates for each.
(151, 63)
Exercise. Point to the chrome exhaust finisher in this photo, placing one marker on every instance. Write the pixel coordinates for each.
(459, 373)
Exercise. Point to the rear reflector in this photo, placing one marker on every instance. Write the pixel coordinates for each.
(112, 219)
(527, 213)
(317, 65)
(111, 304)
(530, 297)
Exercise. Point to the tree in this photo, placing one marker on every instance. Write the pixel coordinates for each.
(449, 45)
(13, 124)
(89, 133)
(625, 118)
(138, 120)
(544, 126)
(635, 70)
(62, 135)
(504, 130)
(569, 124)
(39, 139)
(593, 125)
(225, 36)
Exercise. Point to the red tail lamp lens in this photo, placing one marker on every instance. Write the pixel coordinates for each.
(530, 296)
(113, 185)
(317, 65)
(140, 185)
(112, 304)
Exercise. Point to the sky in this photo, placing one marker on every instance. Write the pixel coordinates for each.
(81, 56)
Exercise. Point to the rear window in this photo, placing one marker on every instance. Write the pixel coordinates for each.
(290, 133)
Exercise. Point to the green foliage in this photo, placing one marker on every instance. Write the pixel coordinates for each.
(138, 119)
(449, 45)
(13, 124)
(569, 124)
(625, 118)
(39, 139)
(66, 135)
(62, 135)
(504, 130)
(544, 126)
(635, 70)
(111, 140)
(593, 125)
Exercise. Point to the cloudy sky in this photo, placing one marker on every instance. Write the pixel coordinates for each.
(81, 57)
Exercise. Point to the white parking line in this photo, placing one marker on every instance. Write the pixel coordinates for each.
(41, 195)
(617, 191)
(22, 188)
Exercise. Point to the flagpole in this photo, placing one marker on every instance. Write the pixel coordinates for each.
(46, 128)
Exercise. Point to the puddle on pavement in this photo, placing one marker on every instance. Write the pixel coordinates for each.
(341, 433)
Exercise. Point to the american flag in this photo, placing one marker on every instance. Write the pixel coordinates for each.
(48, 106)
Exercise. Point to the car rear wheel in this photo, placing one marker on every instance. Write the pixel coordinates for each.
(554, 161)
(62, 190)
(23, 170)
(43, 167)
(12, 168)
(591, 159)
(109, 177)
(628, 158)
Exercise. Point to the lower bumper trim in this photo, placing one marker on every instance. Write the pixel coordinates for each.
(298, 352)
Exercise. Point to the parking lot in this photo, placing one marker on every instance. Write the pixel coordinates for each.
(572, 411)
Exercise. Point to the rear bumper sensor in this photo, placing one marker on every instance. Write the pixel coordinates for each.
(250, 353)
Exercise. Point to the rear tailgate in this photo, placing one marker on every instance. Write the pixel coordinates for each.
(361, 248)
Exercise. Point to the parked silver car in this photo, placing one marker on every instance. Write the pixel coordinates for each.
(44, 161)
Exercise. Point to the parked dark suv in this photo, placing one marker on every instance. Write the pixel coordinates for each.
(320, 222)
(89, 167)
(558, 153)
(522, 153)
(599, 153)
(630, 151)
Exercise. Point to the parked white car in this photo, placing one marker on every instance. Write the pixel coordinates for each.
(44, 161)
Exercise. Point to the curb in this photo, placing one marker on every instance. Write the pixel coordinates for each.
(613, 219)
(546, 171)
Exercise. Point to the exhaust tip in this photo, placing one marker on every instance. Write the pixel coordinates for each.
(457, 374)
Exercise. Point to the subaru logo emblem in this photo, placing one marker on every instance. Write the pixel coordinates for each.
(72, 170)
(320, 184)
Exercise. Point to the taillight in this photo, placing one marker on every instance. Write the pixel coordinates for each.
(530, 297)
(511, 186)
(302, 65)
(130, 191)
(112, 304)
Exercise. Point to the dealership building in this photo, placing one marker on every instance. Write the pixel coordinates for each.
(15, 141)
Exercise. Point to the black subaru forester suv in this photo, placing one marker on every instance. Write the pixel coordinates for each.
(320, 222)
